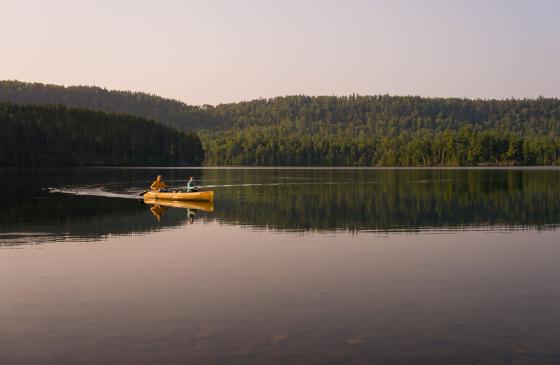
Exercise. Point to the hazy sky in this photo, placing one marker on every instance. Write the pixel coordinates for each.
(221, 51)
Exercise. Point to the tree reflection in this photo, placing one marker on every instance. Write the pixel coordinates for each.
(329, 200)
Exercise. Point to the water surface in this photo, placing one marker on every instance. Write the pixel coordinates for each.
(305, 266)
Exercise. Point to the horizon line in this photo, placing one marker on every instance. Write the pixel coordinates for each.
(67, 86)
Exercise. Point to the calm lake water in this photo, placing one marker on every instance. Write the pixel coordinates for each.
(288, 266)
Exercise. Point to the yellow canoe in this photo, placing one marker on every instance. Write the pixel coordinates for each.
(198, 205)
(201, 196)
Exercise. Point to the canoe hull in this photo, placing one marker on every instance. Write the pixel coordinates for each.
(201, 196)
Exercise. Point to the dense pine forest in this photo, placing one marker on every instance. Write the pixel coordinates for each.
(328, 130)
(35, 135)
(151, 107)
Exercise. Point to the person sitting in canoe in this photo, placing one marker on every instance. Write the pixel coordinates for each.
(191, 186)
(158, 185)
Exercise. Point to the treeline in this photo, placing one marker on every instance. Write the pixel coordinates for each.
(467, 146)
(36, 135)
(389, 115)
(329, 130)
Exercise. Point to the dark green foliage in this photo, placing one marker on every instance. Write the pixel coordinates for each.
(384, 130)
(328, 130)
(36, 135)
(464, 147)
(151, 107)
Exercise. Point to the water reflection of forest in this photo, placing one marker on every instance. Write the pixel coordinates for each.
(350, 200)
(400, 200)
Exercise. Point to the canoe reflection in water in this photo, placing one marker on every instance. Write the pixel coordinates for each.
(158, 207)
(157, 210)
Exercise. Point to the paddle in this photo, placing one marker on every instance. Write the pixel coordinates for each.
(144, 192)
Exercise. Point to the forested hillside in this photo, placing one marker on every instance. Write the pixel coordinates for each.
(384, 130)
(329, 130)
(35, 135)
(151, 107)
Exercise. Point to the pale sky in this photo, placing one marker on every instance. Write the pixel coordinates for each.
(210, 51)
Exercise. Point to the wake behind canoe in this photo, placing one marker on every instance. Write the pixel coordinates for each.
(204, 196)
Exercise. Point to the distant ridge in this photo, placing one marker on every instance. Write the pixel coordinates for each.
(351, 130)
(152, 107)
